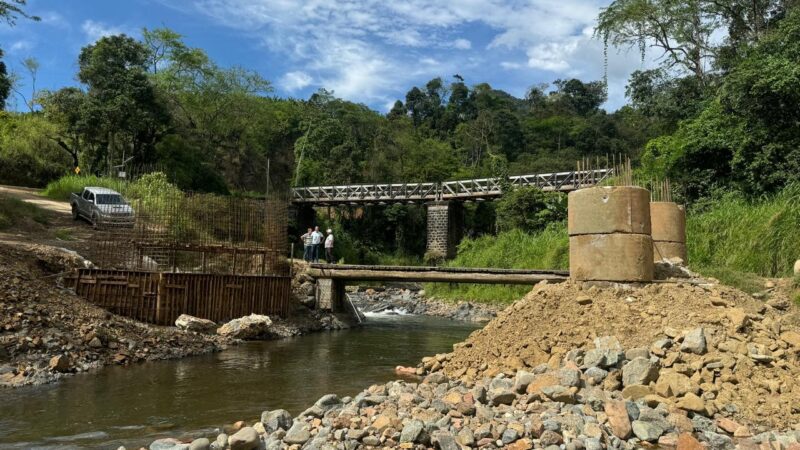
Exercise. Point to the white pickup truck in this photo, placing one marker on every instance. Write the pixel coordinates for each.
(102, 207)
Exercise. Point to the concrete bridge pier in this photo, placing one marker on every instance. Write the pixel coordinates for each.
(330, 295)
(445, 227)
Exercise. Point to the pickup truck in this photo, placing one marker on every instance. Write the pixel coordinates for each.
(101, 207)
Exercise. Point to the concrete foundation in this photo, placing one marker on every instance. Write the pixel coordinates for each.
(330, 295)
(445, 227)
(609, 230)
(668, 230)
(611, 257)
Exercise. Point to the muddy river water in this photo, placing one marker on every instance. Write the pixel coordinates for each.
(132, 406)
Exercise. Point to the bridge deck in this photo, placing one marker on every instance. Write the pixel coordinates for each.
(434, 274)
(462, 190)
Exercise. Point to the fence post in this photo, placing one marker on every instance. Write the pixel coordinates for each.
(159, 299)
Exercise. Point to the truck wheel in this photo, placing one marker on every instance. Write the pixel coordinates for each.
(75, 215)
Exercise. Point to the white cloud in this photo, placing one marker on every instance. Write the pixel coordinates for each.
(462, 44)
(21, 46)
(95, 30)
(294, 81)
(365, 49)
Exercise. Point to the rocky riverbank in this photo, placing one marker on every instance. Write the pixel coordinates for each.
(393, 300)
(572, 366)
(47, 332)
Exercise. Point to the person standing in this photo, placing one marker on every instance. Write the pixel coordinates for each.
(329, 247)
(308, 249)
(316, 242)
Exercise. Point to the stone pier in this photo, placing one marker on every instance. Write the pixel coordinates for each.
(445, 227)
(330, 295)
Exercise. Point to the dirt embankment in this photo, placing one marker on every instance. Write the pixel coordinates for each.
(47, 332)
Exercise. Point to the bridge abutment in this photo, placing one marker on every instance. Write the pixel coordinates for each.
(330, 295)
(445, 227)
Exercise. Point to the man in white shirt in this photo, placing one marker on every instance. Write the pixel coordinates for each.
(329, 247)
(316, 241)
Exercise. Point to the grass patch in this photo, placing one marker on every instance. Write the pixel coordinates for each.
(64, 234)
(744, 281)
(759, 237)
(61, 188)
(14, 211)
(515, 249)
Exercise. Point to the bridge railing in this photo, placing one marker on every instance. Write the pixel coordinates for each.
(459, 189)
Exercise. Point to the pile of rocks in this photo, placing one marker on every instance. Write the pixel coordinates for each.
(413, 301)
(604, 397)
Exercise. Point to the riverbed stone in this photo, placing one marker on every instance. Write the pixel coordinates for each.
(200, 444)
(168, 444)
(245, 439)
(196, 324)
(60, 363)
(273, 420)
(247, 327)
(413, 432)
(618, 418)
(297, 434)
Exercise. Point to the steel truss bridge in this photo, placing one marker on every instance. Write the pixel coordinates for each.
(464, 190)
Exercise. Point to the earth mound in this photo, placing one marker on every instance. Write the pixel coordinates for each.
(715, 347)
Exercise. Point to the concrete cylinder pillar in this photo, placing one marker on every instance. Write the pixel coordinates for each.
(668, 221)
(609, 234)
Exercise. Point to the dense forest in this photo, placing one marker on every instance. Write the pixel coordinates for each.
(717, 115)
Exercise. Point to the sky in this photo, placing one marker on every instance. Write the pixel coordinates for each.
(366, 51)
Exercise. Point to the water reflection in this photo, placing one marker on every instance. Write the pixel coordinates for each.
(133, 405)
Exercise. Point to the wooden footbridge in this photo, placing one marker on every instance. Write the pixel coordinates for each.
(332, 278)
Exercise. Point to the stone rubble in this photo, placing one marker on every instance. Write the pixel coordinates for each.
(413, 301)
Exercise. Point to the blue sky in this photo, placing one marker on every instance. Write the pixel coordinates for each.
(368, 51)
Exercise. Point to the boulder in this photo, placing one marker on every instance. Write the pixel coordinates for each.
(297, 434)
(245, 439)
(60, 363)
(694, 342)
(691, 402)
(639, 371)
(248, 327)
(688, 442)
(200, 444)
(673, 384)
(413, 432)
(190, 323)
(273, 420)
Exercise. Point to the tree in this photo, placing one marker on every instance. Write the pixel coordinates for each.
(31, 65)
(121, 100)
(5, 82)
(681, 29)
(582, 98)
(529, 209)
(66, 109)
(11, 9)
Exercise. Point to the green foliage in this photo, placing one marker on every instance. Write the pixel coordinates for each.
(28, 157)
(755, 236)
(530, 209)
(61, 188)
(516, 249)
(14, 211)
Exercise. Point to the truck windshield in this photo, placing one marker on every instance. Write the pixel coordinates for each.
(110, 199)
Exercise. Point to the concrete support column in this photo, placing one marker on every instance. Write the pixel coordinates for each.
(330, 295)
(445, 228)
(669, 230)
(609, 234)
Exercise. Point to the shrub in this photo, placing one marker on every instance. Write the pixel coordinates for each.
(15, 211)
(61, 188)
(530, 209)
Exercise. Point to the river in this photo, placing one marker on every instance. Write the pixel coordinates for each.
(134, 405)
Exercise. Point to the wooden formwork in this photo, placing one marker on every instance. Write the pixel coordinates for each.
(160, 297)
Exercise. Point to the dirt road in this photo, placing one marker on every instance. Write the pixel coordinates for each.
(31, 195)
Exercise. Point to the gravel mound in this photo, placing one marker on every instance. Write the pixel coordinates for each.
(705, 348)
